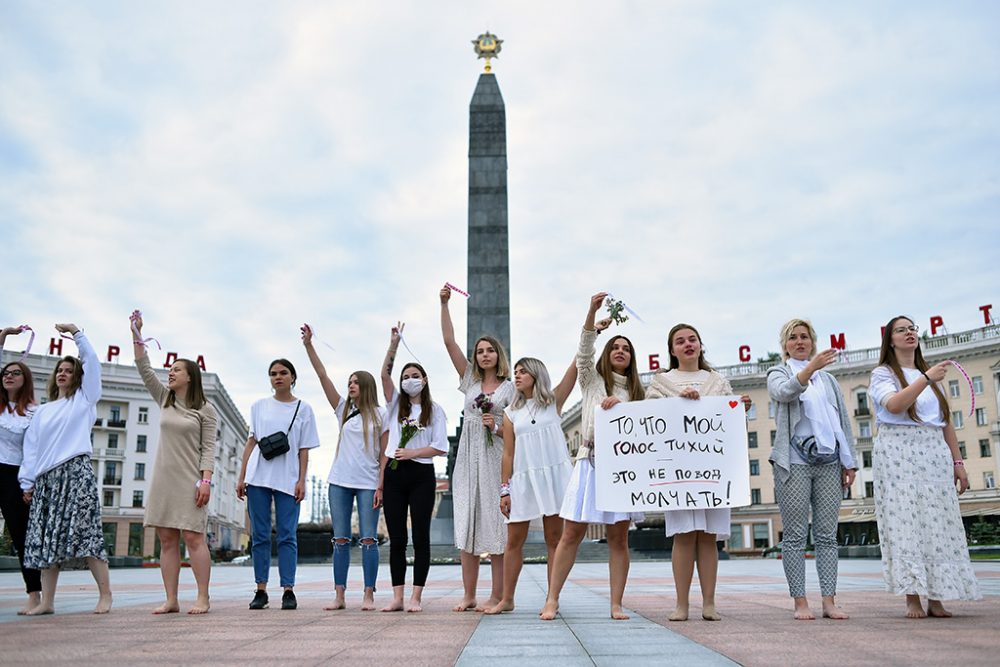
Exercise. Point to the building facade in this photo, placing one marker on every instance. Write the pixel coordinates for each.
(758, 526)
(125, 439)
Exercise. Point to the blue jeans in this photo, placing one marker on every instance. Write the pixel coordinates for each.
(341, 506)
(286, 515)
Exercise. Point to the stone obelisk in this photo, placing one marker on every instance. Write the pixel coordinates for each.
(488, 279)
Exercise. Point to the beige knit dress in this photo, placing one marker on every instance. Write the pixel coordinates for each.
(186, 448)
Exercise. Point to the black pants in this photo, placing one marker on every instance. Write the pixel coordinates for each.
(15, 514)
(410, 487)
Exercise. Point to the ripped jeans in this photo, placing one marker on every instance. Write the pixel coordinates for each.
(341, 508)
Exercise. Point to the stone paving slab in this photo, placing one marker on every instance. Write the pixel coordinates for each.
(757, 628)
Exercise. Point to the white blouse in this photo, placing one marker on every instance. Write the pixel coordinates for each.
(884, 386)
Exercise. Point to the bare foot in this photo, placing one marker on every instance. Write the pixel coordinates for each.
(368, 603)
(936, 610)
(34, 599)
(414, 606)
(492, 602)
(395, 605)
(617, 613)
(499, 608)
(103, 604)
(549, 611)
(914, 609)
(803, 612)
(200, 607)
(40, 610)
(167, 608)
(708, 613)
(680, 614)
(467, 604)
(338, 603)
(834, 612)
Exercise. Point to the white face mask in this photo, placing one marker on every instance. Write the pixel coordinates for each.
(413, 386)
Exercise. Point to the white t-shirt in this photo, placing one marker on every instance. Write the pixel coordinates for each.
(882, 387)
(355, 464)
(267, 416)
(12, 427)
(435, 434)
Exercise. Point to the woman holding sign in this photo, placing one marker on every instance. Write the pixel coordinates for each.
(612, 380)
(536, 467)
(916, 464)
(814, 461)
(695, 532)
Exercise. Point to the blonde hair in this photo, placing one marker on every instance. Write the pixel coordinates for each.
(52, 390)
(503, 366)
(542, 391)
(786, 331)
(367, 406)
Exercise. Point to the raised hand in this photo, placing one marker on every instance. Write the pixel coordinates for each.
(397, 333)
(937, 372)
(307, 334)
(597, 301)
(824, 359)
(445, 294)
(71, 329)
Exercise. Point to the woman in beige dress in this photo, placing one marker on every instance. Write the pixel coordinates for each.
(182, 476)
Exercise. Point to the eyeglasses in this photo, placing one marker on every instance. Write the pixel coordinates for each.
(12, 374)
(913, 327)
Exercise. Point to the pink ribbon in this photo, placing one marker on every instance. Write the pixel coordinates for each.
(25, 327)
(137, 337)
(455, 289)
(972, 387)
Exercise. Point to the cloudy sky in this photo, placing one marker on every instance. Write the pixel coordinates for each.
(234, 169)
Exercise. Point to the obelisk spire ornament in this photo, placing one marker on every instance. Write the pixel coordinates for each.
(487, 45)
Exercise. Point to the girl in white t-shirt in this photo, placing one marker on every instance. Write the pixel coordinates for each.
(354, 475)
(280, 481)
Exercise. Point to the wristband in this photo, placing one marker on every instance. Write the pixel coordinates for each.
(202, 482)
(959, 462)
(505, 489)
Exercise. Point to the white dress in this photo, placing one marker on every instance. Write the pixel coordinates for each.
(541, 462)
(706, 383)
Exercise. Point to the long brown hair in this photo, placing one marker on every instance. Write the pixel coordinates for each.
(503, 365)
(195, 397)
(632, 381)
(887, 357)
(25, 395)
(53, 391)
(426, 404)
(674, 362)
(367, 406)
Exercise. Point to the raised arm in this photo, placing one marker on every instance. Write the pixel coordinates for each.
(458, 359)
(135, 332)
(8, 331)
(91, 383)
(332, 396)
(565, 386)
(155, 388)
(388, 387)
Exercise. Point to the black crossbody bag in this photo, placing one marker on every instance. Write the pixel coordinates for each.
(276, 444)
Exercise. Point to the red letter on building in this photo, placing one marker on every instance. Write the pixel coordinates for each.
(744, 353)
(55, 345)
(113, 351)
(201, 361)
(986, 313)
(171, 358)
(837, 342)
(654, 362)
(936, 321)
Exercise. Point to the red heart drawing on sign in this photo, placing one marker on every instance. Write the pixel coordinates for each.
(733, 404)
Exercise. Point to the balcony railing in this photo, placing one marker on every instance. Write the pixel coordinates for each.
(112, 481)
(98, 422)
(116, 423)
(862, 411)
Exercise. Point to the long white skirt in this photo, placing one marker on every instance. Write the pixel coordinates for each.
(580, 502)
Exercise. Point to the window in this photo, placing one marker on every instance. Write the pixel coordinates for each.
(143, 416)
(761, 536)
(110, 469)
(988, 481)
(984, 449)
(110, 537)
(977, 385)
(140, 443)
(770, 409)
(137, 499)
(866, 459)
(953, 389)
(774, 434)
(755, 496)
(135, 539)
(112, 441)
(140, 471)
(754, 467)
(752, 439)
(864, 429)
(862, 397)
(116, 414)
(980, 416)
(869, 489)
(961, 449)
(736, 536)
(956, 419)
(109, 498)
(751, 415)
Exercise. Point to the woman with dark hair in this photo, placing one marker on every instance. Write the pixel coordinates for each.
(17, 405)
(615, 378)
(177, 505)
(417, 433)
(814, 461)
(479, 526)
(354, 475)
(57, 477)
(536, 467)
(696, 531)
(916, 465)
(275, 460)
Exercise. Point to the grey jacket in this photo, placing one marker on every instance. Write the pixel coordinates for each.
(785, 389)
